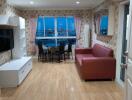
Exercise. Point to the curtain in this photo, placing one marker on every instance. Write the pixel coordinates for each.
(78, 23)
(32, 34)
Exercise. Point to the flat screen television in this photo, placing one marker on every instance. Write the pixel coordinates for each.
(6, 39)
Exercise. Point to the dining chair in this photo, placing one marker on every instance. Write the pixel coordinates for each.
(41, 52)
(62, 52)
(45, 49)
(54, 54)
(68, 51)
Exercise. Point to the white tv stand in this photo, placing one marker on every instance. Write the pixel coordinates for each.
(14, 72)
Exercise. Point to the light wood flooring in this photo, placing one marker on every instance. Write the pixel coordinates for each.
(54, 81)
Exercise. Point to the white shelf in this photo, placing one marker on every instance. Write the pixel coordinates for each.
(19, 37)
(4, 19)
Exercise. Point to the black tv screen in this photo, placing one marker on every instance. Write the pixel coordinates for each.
(6, 39)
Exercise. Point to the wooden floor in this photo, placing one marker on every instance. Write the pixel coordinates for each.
(53, 81)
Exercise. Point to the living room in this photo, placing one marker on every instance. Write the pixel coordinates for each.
(97, 33)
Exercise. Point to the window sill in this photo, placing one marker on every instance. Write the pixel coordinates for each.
(61, 37)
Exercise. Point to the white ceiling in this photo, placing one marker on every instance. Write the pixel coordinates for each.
(55, 4)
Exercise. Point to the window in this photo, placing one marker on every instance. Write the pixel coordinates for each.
(40, 27)
(61, 26)
(104, 25)
(49, 26)
(71, 26)
(51, 30)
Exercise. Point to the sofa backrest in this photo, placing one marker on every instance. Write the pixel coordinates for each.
(101, 51)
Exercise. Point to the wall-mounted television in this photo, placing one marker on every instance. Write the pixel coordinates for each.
(6, 39)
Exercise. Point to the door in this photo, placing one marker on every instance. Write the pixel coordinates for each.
(128, 77)
(124, 41)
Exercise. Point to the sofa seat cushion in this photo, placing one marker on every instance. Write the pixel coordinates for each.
(79, 57)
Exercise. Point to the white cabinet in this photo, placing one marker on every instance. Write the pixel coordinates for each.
(19, 37)
(14, 72)
(17, 21)
(4, 19)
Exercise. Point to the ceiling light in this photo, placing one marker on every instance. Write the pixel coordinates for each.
(31, 2)
(77, 2)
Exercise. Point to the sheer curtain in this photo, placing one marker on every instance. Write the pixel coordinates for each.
(78, 23)
(32, 34)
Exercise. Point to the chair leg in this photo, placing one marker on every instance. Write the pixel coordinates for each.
(59, 58)
(46, 57)
(38, 58)
(71, 55)
(68, 54)
(52, 57)
(49, 59)
(64, 57)
(42, 57)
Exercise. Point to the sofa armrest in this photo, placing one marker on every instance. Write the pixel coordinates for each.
(83, 50)
(102, 65)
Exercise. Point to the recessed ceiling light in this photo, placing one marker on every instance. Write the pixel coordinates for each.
(77, 2)
(31, 2)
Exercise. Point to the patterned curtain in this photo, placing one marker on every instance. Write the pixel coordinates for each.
(32, 27)
(78, 24)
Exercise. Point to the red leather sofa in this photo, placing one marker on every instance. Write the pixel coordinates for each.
(95, 63)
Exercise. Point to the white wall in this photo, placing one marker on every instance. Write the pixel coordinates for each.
(119, 42)
(86, 36)
(111, 21)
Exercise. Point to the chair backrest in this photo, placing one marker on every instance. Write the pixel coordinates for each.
(53, 49)
(101, 51)
(44, 47)
(61, 48)
(40, 48)
(69, 47)
(66, 47)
